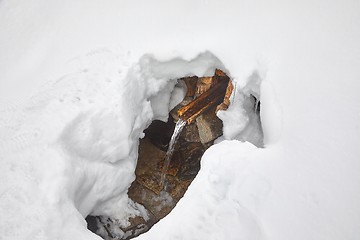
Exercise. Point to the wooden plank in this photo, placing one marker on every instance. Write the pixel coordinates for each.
(214, 96)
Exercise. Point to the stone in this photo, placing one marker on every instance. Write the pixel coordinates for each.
(191, 155)
(151, 182)
(226, 103)
(221, 76)
(190, 133)
(174, 164)
(203, 84)
(179, 189)
(209, 126)
(190, 83)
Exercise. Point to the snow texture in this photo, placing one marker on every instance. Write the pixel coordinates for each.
(80, 80)
(84, 132)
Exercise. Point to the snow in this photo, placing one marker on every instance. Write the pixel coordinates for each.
(240, 121)
(67, 149)
(211, 207)
(84, 132)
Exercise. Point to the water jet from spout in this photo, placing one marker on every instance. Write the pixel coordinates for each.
(178, 128)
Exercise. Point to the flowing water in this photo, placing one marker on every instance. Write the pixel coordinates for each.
(180, 124)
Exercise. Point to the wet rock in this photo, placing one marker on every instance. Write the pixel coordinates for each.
(191, 156)
(174, 164)
(113, 230)
(179, 189)
(150, 181)
(209, 126)
(157, 205)
(149, 156)
(190, 133)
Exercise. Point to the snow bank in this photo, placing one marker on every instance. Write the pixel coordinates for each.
(240, 121)
(78, 144)
(211, 208)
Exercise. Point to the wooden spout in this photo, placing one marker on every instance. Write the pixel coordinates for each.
(211, 98)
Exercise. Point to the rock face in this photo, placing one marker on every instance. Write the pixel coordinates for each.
(195, 138)
(209, 126)
(191, 133)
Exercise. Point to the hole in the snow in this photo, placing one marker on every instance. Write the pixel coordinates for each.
(170, 154)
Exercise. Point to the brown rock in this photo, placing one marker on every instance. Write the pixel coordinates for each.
(203, 84)
(179, 189)
(174, 164)
(190, 85)
(226, 103)
(210, 126)
(190, 133)
(151, 182)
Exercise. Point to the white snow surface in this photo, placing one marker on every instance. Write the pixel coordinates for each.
(80, 80)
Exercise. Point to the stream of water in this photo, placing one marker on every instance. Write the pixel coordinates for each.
(180, 124)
